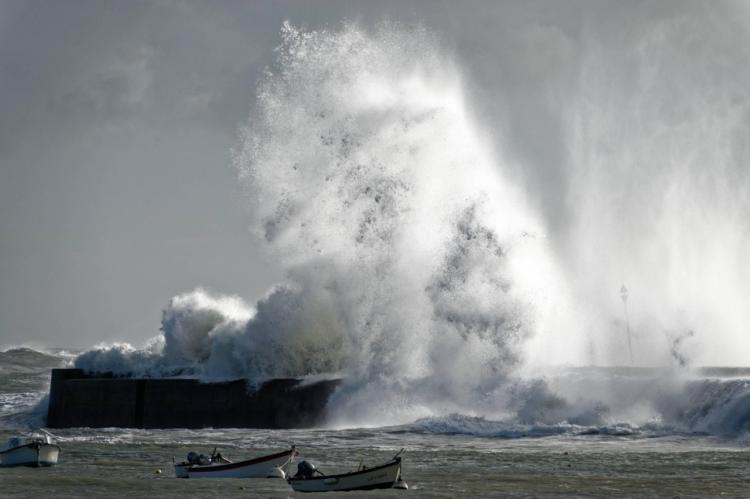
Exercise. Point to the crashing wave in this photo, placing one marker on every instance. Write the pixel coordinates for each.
(220, 337)
(413, 266)
(416, 267)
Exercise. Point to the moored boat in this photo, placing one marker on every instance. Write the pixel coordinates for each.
(217, 466)
(33, 450)
(385, 476)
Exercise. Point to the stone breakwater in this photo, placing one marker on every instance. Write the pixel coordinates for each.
(79, 399)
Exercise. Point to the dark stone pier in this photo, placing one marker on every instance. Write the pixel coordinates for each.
(78, 399)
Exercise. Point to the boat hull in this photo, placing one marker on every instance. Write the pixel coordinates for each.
(381, 477)
(34, 454)
(262, 467)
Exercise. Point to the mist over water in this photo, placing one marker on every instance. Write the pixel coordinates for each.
(658, 136)
(424, 269)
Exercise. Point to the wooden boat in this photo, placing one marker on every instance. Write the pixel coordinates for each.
(33, 450)
(384, 476)
(217, 466)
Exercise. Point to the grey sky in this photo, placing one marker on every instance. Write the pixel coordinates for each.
(117, 119)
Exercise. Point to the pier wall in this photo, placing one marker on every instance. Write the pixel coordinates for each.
(81, 400)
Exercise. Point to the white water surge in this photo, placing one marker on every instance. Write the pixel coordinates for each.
(420, 270)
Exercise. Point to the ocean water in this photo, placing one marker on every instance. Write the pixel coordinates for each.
(448, 456)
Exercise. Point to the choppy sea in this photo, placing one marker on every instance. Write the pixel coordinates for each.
(450, 456)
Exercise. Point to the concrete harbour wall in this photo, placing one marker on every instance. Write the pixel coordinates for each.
(78, 399)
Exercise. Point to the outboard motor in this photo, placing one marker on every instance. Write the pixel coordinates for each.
(305, 470)
(201, 459)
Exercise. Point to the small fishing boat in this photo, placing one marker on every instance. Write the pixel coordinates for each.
(33, 450)
(385, 476)
(217, 466)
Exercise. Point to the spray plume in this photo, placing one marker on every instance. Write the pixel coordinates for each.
(411, 261)
(418, 271)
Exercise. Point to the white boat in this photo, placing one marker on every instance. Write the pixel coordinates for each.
(33, 450)
(217, 466)
(384, 476)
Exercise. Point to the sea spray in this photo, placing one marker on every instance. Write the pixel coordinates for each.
(414, 267)
(372, 182)
(658, 147)
(419, 271)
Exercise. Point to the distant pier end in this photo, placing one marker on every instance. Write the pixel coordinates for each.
(78, 399)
